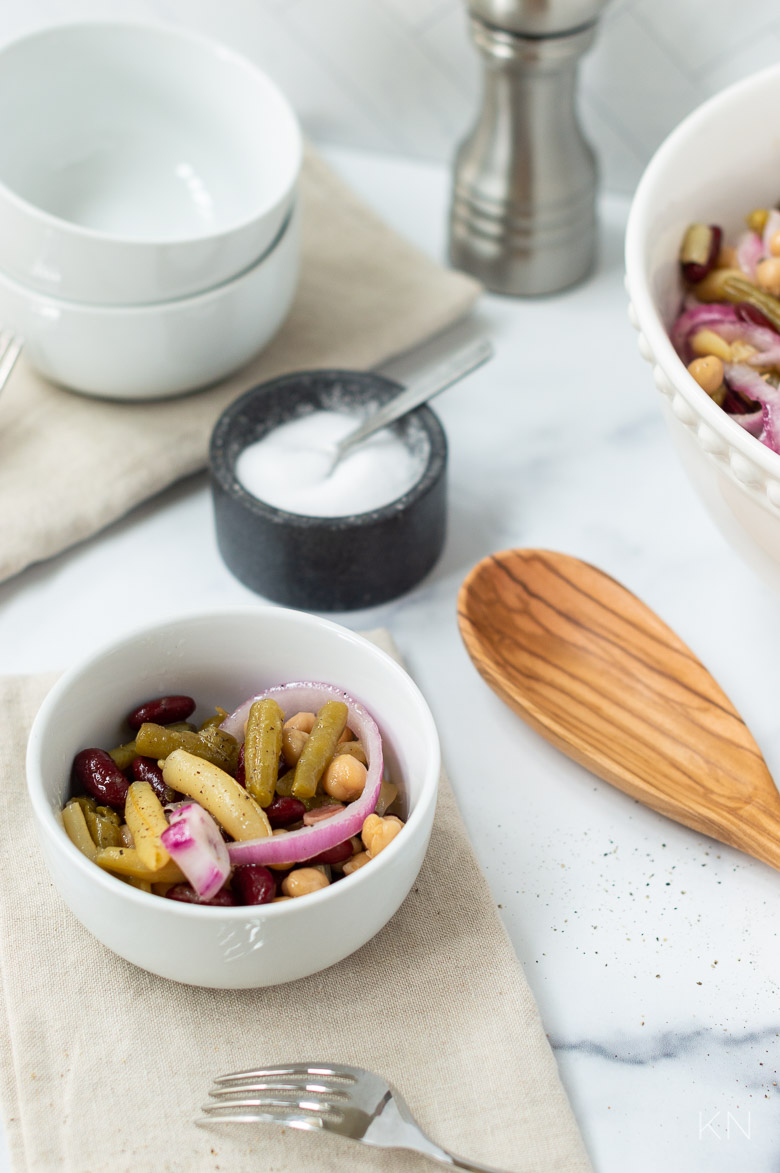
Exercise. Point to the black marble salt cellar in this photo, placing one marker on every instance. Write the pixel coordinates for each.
(327, 563)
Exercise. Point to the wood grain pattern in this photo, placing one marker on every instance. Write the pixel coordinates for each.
(598, 674)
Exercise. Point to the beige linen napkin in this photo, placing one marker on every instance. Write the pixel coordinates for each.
(70, 465)
(104, 1066)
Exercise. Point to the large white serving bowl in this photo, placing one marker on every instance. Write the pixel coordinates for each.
(138, 162)
(220, 658)
(159, 350)
(720, 162)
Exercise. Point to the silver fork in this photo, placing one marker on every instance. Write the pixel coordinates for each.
(329, 1096)
(10, 349)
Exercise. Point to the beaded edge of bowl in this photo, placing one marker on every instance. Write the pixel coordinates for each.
(745, 471)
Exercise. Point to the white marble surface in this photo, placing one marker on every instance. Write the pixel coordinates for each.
(652, 951)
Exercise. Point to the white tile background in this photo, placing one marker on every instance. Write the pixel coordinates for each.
(401, 76)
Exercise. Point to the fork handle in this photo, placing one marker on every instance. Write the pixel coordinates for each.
(450, 1161)
(453, 1162)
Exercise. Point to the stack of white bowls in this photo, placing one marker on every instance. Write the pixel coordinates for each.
(149, 234)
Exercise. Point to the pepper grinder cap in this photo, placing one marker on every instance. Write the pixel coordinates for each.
(538, 18)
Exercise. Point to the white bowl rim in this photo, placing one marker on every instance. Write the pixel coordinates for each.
(219, 50)
(650, 322)
(171, 304)
(49, 822)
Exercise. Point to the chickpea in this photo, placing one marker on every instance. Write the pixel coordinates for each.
(303, 721)
(280, 899)
(347, 735)
(774, 244)
(378, 831)
(756, 220)
(302, 881)
(344, 778)
(359, 860)
(279, 867)
(293, 741)
(768, 275)
(708, 373)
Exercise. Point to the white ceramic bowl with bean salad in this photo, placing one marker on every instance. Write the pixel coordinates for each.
(720, 162)
(221, 658)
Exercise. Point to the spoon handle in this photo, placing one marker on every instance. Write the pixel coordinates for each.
(10, 349)
(438, 379)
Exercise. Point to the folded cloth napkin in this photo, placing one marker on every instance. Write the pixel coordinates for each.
(70, 465)
(105, 1066)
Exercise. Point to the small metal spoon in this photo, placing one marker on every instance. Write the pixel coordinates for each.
(438, 379)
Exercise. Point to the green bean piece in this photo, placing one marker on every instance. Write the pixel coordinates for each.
(86, 802)
(740, 289)
(104, 826)
(284, 784)
(102, 821)
(262, 749)
(123, 754)
(216, 719)
(158, 741)
(225, 744)
(317, 800)
(319, 748)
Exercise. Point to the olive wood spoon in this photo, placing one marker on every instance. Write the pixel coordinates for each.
(598, 674)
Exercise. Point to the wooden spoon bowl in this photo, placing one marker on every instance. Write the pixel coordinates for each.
(598, 674)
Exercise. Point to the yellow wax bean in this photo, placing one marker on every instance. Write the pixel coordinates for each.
(126, 861)
(146, 819)
(77, 829)
(219, 794)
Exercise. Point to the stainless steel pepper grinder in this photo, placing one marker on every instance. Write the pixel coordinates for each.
(523, 217)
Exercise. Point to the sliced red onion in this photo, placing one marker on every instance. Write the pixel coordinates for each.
(761, 337)
(295, 846)
(752, 421)
(699, 317)
(193, 840)
(750, 250)
(744, 379)
(766, 358)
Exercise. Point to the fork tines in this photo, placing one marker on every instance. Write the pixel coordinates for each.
(342, 1074)
(300, 1095)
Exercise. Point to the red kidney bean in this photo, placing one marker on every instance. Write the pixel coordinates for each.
(100, 776)
(338, 854)
(695, 269)
(735, 404)
(285, 810)
(253, 884)
(147, 770)
(241, 767)
(187, 894)
(163, 710)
